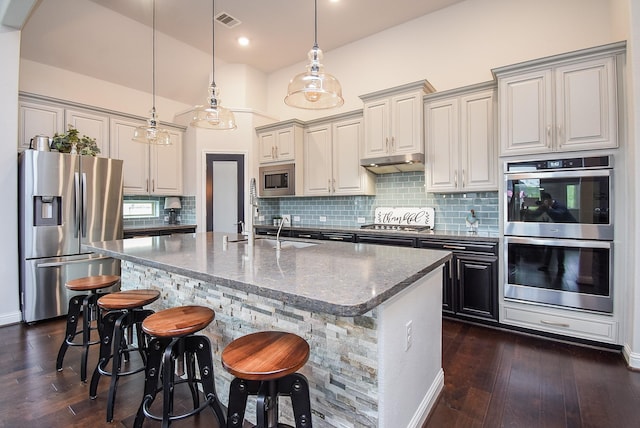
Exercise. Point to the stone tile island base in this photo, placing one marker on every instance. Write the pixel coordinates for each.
(359, 372)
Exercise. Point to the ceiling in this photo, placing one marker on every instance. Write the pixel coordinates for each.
(101, 38)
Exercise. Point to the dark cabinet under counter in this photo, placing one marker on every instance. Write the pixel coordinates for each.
(158, 230)
(470, 281)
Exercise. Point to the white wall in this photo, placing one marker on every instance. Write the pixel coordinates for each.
(9, 289)
(454, 47)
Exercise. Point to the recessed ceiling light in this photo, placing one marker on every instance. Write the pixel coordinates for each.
(243, 41)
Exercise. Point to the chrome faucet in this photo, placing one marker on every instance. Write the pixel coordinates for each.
(278, 234)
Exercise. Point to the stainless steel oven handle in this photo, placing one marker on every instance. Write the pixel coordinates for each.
(454, 247)
(554, 324)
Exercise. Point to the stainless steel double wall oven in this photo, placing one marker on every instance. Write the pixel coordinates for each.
(558, 231)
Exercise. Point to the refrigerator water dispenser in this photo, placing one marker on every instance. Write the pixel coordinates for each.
(47, 210)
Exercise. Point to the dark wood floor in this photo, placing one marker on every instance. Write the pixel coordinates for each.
(492, 379)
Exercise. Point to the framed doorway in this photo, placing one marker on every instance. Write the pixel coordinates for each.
(225, 192)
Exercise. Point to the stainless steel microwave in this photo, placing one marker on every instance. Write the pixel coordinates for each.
(278, 180)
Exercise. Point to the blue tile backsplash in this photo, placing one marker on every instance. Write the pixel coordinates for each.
(393, 190)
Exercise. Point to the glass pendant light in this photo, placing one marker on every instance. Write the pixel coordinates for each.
(151, 134)
(213, 115)
(314, 89)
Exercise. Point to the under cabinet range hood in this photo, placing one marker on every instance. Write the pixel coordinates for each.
(395, 163)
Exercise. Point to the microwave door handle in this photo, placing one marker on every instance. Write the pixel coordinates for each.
(76, 204)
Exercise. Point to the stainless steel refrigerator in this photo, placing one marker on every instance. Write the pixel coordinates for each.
(65, 200)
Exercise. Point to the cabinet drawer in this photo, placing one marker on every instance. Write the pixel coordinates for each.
(567, 325)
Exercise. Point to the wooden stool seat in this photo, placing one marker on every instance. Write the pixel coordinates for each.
(128, 299)
(90, 283)
(173, 343)
(265, 355)
(178, 321)
(264, 364)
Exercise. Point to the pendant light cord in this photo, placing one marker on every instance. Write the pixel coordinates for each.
(153, 61)
(213, 43)
(315, 34)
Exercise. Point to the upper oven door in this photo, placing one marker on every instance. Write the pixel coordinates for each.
(560, 204)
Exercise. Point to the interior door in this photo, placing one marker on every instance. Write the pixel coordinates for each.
(225, 192)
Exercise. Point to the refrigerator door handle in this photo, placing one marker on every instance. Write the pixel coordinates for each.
(84, 205)
(70, 262)
(76, 203)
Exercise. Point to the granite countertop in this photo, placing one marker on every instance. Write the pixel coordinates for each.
(438, 233)
(343, 279)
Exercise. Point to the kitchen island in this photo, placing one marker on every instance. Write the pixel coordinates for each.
(371, 314)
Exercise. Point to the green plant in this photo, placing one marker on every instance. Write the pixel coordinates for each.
(84, 145)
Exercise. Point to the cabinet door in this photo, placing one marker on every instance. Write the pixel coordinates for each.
(267, 146)
(348, 175)
(38, 119)
(317, 160)
(406, 124)
(166, 167)
(376, 131)
(135, 156)
(477, 286)
(442, 145)
(478, 160)
(91, 125)
(586, 110)
(285, 144)
(526, 113)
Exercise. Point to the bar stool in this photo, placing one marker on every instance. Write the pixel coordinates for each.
(85, 304)
(122, 313)
(265, 364)
(172, 331)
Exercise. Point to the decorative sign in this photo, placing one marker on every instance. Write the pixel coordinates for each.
(405, 216)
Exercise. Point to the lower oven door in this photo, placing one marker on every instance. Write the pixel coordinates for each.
(562, 272)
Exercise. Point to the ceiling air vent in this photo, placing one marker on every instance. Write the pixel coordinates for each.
(227, 20)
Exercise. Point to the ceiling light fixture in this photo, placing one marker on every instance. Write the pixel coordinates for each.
(243, 41)
(213, 115)
(151, 134)
(314, 89)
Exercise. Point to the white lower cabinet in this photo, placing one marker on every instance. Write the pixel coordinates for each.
(332, 151)
(460, 140)
(589, 326)
(148, 169)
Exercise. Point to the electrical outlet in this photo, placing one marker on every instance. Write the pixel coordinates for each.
(409, 337)
(260, 218)
(361, 220)
(323, 218)
(296, 218)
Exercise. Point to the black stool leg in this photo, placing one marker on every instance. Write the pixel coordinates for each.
(151, 381)
(168, 375)
(239, 390)
(75, 305)
(265, 406)
(118, 337)
(106, 349)
(297, 386)
(201, 346)
(88, 303)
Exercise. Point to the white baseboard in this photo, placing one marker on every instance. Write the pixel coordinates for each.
(632, 358)
(427, 403)
(10, 318)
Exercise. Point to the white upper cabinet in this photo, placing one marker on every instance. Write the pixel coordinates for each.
(332, 151)
(92, 125)
(393, 120)
(148, 169)
(564, 103)
(279, 142)
(461, 145)
(38, 119)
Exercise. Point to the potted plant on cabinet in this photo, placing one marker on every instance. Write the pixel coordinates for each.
(70, 142)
